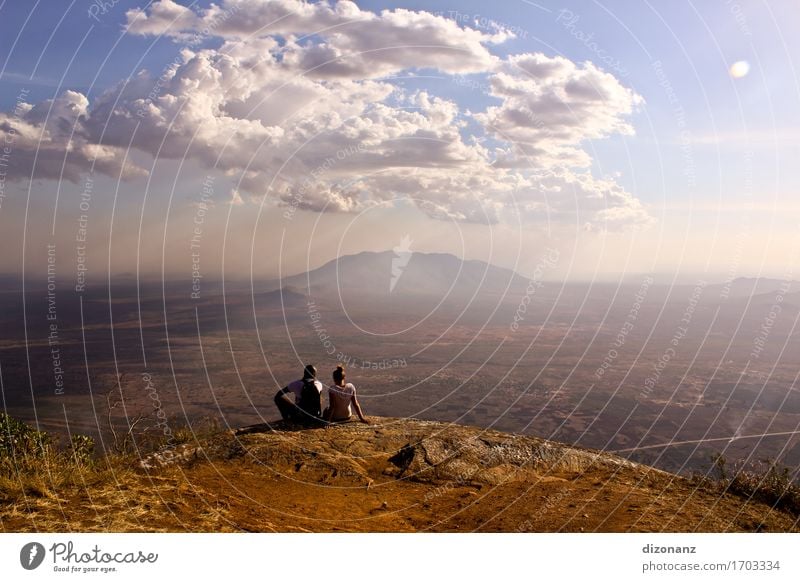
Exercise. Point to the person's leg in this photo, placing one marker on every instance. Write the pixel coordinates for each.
(286, 407)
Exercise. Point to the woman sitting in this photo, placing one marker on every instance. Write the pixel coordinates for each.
(340, 396)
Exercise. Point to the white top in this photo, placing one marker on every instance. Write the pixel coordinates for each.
(297, 388)
(339, 398)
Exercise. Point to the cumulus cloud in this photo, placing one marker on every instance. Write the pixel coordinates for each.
(357, 43)
(49, 141)
(567, 196)
(298, 105)
(549, 106)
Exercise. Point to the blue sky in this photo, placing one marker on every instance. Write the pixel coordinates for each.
(707, 147)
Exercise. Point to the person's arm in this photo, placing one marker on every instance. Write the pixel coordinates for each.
(328, 412)
(357, 407)
(285, 393)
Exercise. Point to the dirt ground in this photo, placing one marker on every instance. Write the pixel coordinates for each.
(390, 476)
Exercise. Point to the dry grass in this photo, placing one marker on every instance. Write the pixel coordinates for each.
(115, 498)
(47, 487)
(274, 487)
(765, 481)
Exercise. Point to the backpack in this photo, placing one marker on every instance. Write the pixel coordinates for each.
(310, 400)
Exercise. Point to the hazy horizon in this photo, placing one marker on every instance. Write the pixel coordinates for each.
(237, 141)
(663, 277)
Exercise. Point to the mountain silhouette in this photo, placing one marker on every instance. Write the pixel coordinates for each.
(391, 276)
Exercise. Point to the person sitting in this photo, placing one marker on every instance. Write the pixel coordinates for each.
(306, 407)
(340, 398)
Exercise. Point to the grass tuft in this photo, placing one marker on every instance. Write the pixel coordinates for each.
(766, 481)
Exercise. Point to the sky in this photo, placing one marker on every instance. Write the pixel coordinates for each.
(258, 138)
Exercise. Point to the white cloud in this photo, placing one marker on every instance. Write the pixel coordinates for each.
(551, 105)
(52, 136)
(311, 123)
(356, 43)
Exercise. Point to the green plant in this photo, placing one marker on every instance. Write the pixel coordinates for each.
(20, 442)
(82, 447)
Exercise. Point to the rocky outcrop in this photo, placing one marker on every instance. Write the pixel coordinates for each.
(419, 451)
(490, 458)
(218, 447)
(392, 475)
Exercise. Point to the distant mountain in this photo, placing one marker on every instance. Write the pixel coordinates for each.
(387, 276)
(284, 297)
(743, 287)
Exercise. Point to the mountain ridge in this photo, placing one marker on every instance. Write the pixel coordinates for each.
(384, 276)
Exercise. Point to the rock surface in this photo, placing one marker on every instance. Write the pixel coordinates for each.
(394, 475)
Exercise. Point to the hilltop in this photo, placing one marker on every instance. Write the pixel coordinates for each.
(415, 275)
(392, 475)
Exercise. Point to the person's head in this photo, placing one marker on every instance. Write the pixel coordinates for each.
(338, 375)
(309, 373)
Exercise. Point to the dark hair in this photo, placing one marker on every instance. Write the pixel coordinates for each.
(309, 372)
(338, 374)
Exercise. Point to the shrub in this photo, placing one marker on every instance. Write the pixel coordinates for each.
(32, 465)
(20, 442)
(765, 481)
(768, 482)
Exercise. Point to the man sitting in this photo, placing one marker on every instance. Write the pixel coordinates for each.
(307, 405)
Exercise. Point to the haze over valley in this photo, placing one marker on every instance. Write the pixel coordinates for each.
(635, 367)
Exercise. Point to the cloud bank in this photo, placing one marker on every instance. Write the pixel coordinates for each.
(300, 105)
